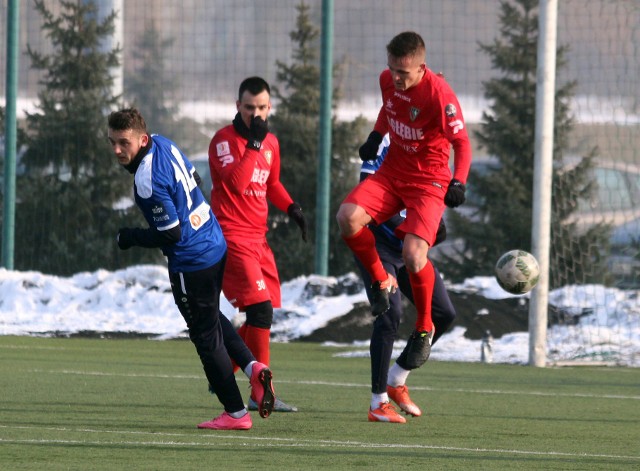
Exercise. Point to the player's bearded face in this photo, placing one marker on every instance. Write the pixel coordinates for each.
(254, 105)
(406, 71)
(126, 144)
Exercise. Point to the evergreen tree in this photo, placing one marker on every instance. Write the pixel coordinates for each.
(296, 123)
(152, 89)
(65, 214)
(503, 221)
(149, 85)
(20, 136)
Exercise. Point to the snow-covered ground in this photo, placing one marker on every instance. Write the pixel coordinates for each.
(138, 299)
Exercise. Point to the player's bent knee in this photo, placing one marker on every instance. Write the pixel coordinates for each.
(351, 218)
(414, 262)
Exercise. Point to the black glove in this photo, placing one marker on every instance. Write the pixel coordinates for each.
(125, 238)
(258, 131)
(369, 150)
(455, 194)
(295, 212)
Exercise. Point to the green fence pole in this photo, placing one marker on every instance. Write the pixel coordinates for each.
(10, 142)
(324, 145)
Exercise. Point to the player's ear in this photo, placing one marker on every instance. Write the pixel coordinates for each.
(144, 139)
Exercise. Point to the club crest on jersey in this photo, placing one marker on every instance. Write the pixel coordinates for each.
(224, 153)
(267, 156)
(450, 110)
(414, 112)
(222, 148)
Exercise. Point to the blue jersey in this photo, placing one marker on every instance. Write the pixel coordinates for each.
(166, 192)
(384, 232)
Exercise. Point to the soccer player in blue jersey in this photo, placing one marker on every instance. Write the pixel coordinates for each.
(390, 383)
(183, 226)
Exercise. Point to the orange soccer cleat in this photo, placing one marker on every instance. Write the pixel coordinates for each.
(400, 395)
(385, 413)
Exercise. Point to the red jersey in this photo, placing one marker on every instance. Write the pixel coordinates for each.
(243, 179)
(423, 122)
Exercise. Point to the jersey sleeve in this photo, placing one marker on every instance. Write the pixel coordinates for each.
(233, 163)
(382, 124)
(276, 192)
(154, 198)
(455, 131)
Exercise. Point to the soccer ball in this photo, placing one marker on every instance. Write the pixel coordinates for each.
(517, 271)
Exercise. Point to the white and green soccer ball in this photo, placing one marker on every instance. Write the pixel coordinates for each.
(517, 271)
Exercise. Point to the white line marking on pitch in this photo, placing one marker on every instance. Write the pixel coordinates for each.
(275, 442)
(346, 385)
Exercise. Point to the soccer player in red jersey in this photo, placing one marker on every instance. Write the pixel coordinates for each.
(244, 159)
(424, 120)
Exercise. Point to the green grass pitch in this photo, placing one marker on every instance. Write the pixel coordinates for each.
(86, 404)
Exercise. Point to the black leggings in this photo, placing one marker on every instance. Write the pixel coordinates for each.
(197, 295)
(385, 327)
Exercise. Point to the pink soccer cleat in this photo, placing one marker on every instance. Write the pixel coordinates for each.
(225, 422)
(261, 389)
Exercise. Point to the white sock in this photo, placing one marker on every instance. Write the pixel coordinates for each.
(397, 376)
(249, 368)
(376, 399)
(239, 414)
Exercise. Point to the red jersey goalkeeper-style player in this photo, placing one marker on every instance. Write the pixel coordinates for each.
(423, 118)
(244, 159)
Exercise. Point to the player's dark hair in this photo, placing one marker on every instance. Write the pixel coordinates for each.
(253, 85)
(406, 44)
(129, 118)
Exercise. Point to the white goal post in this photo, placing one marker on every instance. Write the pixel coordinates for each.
(542, 178)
